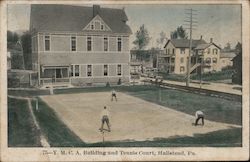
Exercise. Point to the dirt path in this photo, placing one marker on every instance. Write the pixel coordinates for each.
(43, 140)
(131, 118)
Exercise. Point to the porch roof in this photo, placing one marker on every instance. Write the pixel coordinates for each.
(47, 66)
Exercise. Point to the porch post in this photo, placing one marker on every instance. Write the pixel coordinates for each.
(54, 75)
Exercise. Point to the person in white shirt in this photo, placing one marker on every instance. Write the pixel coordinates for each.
(105, 119)
(199, 115)
(113, 94)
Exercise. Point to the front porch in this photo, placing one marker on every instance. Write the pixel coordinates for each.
(55, 76)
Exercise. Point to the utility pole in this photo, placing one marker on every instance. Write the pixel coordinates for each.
(192, 24)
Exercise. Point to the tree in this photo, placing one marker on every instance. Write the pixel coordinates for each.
(238, 48)
(237, 64)
(12, 37)
(162, 38)
(180, 32)
(27, 51)
(142, 38)
(228, 46)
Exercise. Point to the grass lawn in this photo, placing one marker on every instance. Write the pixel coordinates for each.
(53, 128)
(22, 131)
(28, 93)
(213, 76)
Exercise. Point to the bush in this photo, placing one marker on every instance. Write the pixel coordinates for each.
(119, 81)
(107, 84)
(13, 82)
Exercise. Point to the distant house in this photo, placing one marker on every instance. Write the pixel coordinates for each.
(79, 45)
(135, 67)
(175, 58)
(147, 58)
(226, 58)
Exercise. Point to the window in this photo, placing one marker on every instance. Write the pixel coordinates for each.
(172, 60)
(182, 50)
(173, 51)
(72, 70)
(89, 70)
(119, 69)
(208, 60)
(214, 60)
(182, 69)
(47, 43)
(77, 70)
(92, 26)
(97, 25)
(182, 60)
(102, 27)
(168, 51)
(105, 71)
(119, 44)
(89, 44)
(215, 51)
(73, 43)
(208, 51)
(105, 44)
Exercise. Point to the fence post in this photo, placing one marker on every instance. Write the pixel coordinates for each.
(30, 81)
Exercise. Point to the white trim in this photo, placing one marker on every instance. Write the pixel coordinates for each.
(67, 35)
(107, 70)
(93, 22)
(91, 38)
(75, 70)
(102, 64)
(117, 76)
(117, 44)
(117, 70)
(83, 52)
(71, 43)
(105, 36)
(87, 70)
(80, 33)
(45, 43)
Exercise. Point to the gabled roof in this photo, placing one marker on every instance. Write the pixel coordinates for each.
(202, 46)
(206, 45)
(53, 17)
(184, 43)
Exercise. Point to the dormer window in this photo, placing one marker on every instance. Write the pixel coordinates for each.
(102, 27)
(92, 26)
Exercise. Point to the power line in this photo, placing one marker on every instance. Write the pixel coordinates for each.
(192, 23)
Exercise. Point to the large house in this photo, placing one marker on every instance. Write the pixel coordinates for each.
(79, 45)
(175, 58)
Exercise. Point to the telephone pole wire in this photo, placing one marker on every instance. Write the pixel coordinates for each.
(192, 23)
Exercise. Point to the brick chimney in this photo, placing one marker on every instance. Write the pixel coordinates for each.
(96, 10)
(211, 40)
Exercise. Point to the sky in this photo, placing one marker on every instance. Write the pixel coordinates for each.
(220, 22)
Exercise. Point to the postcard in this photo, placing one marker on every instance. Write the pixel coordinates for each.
(124, 80)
